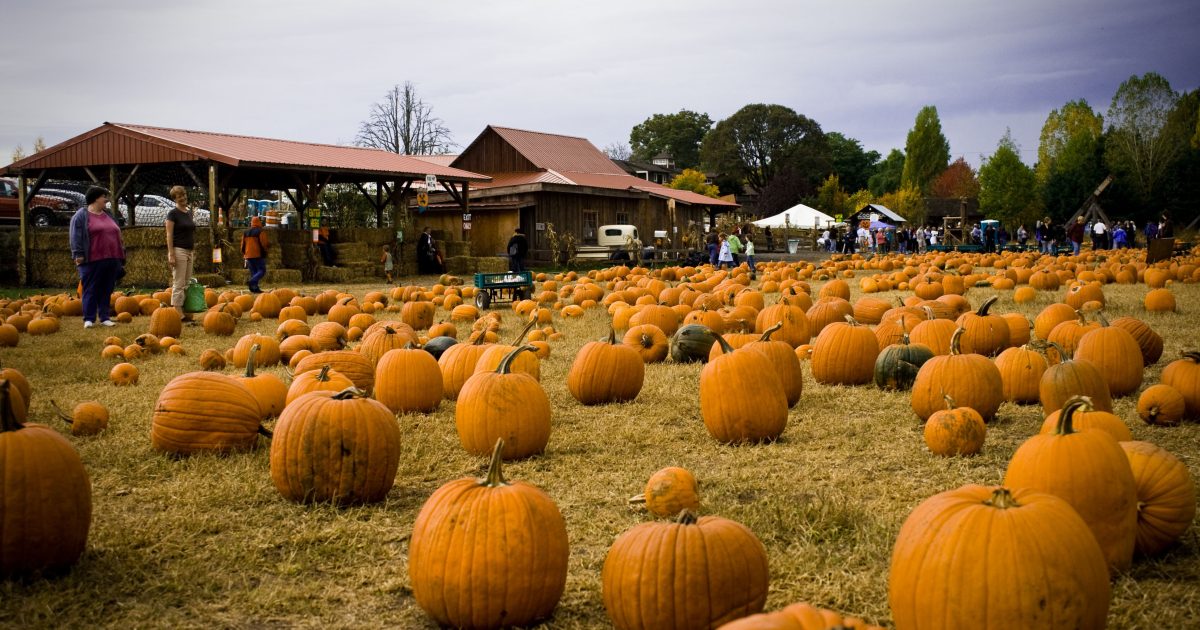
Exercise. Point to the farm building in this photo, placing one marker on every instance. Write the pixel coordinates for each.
(541, 180)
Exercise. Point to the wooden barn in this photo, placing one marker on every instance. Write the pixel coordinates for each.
(543, 179)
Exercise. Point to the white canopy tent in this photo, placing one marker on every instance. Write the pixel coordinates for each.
(798, 216)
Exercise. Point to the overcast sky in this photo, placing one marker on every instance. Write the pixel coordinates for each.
(309, 70)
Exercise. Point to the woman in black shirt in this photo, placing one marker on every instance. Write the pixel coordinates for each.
(181, 240)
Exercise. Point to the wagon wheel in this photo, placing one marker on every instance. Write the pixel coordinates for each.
(483, 299)
(520, 293)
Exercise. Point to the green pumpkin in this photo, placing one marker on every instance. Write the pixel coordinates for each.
(692, 343)
(898, 364)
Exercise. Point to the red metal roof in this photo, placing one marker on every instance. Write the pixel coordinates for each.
(557, 152)
(138, 144)
(442, 160)
(622, 181)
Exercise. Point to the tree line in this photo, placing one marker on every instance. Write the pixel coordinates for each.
(1148, 139)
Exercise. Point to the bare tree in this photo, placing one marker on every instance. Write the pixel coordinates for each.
(617, 151)
(403, 123)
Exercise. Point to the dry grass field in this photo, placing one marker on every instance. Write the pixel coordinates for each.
(207, 541)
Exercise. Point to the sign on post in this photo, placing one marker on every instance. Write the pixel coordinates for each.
(430, 182)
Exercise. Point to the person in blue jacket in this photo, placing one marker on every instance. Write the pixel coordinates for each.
(99, 255)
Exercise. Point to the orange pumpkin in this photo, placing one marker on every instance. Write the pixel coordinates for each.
(503, 405)
(1166, 496)
(670, 491)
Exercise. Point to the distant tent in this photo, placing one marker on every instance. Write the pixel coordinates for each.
(798, 216)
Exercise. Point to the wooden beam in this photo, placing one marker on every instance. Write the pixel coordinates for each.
(91, 175)
(116, 201)
(37, 186)
(23, 252)
(128, 180)
(187, 169)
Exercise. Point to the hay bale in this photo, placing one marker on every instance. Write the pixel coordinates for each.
(351, 252)
(333, 274)
(457, 248)
(212, 280)
(491, 264)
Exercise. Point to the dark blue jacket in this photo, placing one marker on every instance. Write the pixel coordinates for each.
(80, 244)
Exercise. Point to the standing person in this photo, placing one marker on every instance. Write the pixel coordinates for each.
(427, 253)
(750, 254)
(710, 242)
(1022, 236)
(1041, 233)
(1075, 234)
(99, 255)
(724, 256)
(181, 241)
(1099, 235)
(771, 239)
(518, 247)
(1166, 229)
(327, 255)
(735, 248)
(386, 259)
(1151, 232)
(254, 253)
(1119, 241)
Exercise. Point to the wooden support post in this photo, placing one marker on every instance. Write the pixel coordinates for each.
(466, 208)
(23, 253)
(116, 201)
(216, 234)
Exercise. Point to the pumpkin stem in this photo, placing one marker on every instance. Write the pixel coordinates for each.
(686, 517)
(612, 336)
(983, 308)
(265, 432)
(1103, 320)
(480, 334)
(1062, 354)
(850, 320)
(250, 360)
(506, 364)
(323, 375)
(525, 331)
(949, 401)
(1067, 415)
(929, 314)
(725, 347)
(637, 499)
(495, 476)
(766, 336)
(8, 420)
(954, 339)
(1003, 499)
(1192, 355)
(65, 417)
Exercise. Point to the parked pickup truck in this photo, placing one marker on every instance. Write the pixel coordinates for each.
(43, 208)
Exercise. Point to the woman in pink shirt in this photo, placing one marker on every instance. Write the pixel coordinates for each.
(99, 255)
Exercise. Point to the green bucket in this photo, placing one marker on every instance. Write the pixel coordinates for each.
(193, 301)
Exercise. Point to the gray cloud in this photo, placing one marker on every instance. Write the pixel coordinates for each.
(309, 70)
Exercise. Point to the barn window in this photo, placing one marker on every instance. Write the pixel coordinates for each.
(591, 221)
(622, 218)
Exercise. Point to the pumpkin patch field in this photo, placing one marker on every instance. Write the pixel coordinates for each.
(912, 441)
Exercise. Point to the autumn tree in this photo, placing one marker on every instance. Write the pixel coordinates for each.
(1076, 122)
(853, 166)
(831, 198)
(404, 123)
(860, 199)
(693, 180)
(927, 152)
(760, 141)
(1136, 146)
(678, 134)
(957, 181)
(887, 174)
(907, 201)
(1007, 187)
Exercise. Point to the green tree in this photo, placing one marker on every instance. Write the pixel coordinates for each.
(853, 166)
(678, 134)
(927, 150)
(1137, 147)
(887, 174)
(1007, 187)
(760, 141)
(693, 180)
(1181, 184)
(1075, 122)
(831, 198)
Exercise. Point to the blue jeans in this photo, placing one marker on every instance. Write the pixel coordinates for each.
(258, 269)
(1075, 247)
(99, 277)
